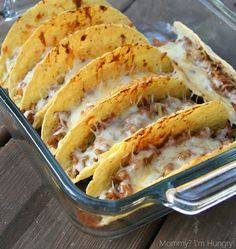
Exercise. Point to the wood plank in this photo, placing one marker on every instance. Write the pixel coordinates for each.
(122, 5)
(52, 229)
(24, 218)
(148, 12)
(4, 135)
(201, 231)
(1, 5)
(28, 219)
(18, 182)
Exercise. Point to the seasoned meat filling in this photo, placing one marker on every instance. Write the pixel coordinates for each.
(60, 130)
(144, 167)
(115, 129)
(20, 88)
(51, 91)
(96, 94)
(22, 84)
(220, 81)
(30, 114)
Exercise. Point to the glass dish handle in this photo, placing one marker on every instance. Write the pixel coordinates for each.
(203, 192)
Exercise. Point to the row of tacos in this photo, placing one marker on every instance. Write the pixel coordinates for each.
(28, 23)
(112, 107)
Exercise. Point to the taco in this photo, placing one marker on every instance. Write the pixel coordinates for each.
(96, 81)
(49, 34)
(170, 145)
(208, 75)
(25, 26)
(66, 59)
(116, 118)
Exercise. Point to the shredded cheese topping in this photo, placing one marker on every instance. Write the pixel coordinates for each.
(102, 90)
(200, 69)
(11, 62)
(62, 79)
(151, 163)
(98, 93)
(116, 129)
(23, 83)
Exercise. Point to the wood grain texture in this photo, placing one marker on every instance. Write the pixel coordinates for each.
(4, 135)
(52, 229)
(30, 218)
(18, 182)
(1, 5)
(122, 5)
(202, 231)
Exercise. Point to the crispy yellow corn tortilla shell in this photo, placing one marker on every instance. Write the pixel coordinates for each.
(28, 22)
(212, 115)
(123, 61)
(159, 87)
(199, 81)
(80, 47)
(50, 33)
(106, 220)
(200, 159)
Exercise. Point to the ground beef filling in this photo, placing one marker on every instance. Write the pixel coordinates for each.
(30, 113)
(115, 129)
(60, 130)
(35, 108)
(20, 88)
(221, 82)
(156, 161)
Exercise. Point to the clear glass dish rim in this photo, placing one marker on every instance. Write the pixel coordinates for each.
(154, 193)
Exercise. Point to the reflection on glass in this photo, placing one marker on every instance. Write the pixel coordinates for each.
(9, 11)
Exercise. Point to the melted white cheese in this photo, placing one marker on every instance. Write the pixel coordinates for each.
(55, 87)
(40, 104)
(78, 64)
(63, 116)
(196, 69)
(98, 93)
(23, 83)
(123, 126)
(195, 74)
(11, 62)
(144, 176)
(51, 92)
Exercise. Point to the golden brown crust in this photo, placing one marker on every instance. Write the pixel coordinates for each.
(192, 120)
(159, 87)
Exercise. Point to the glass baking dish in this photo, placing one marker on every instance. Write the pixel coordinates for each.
(189, 192)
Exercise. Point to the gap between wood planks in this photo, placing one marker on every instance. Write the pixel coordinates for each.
(206, 230)
(31, 217)
(4, 135)
(25, 217)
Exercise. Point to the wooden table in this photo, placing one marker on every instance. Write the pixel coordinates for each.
(31, 218)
